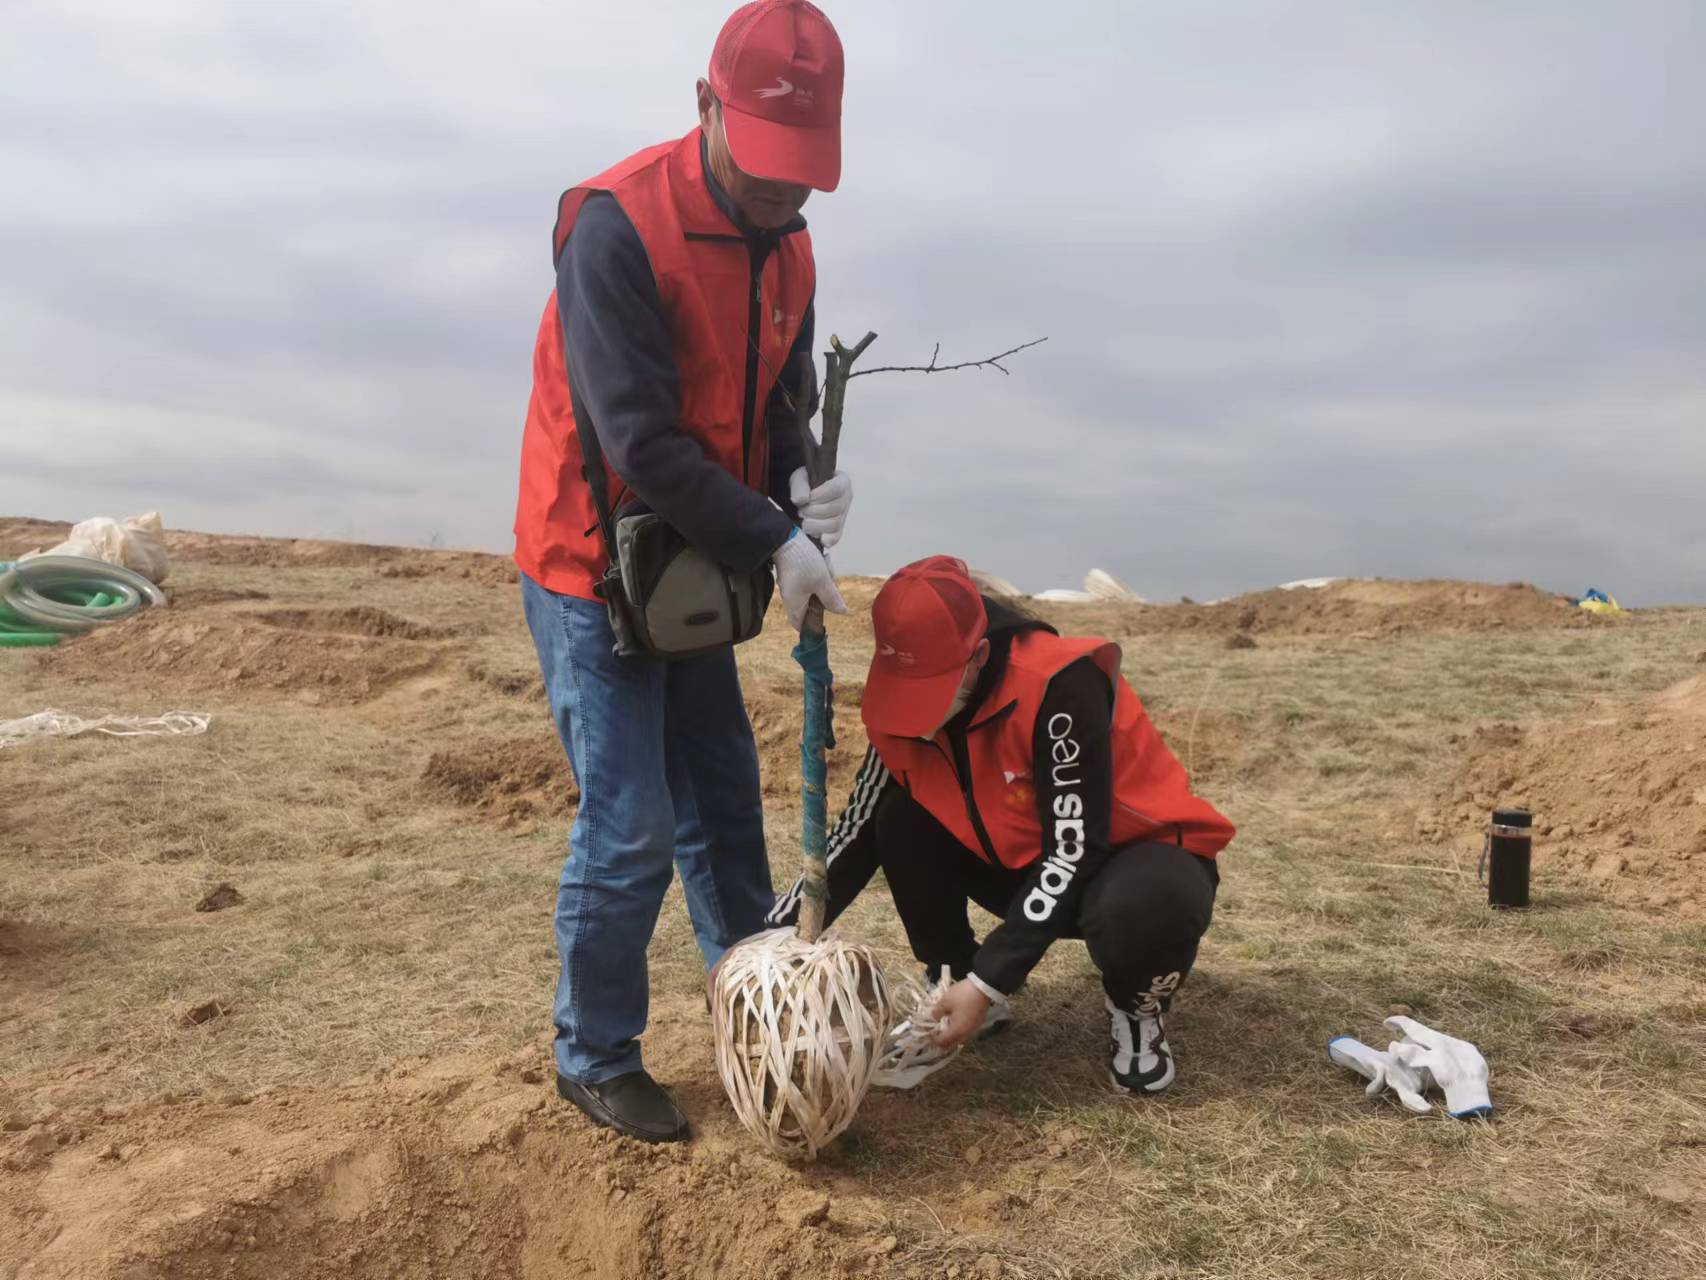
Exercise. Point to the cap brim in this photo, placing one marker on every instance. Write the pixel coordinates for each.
(908, 708)
(784, 153)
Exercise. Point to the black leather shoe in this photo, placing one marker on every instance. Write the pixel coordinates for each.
(633, 1104)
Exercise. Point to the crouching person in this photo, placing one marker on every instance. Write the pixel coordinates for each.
(1014, 767)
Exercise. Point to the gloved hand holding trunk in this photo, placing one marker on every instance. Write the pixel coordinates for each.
(823, 508)
(802, 571)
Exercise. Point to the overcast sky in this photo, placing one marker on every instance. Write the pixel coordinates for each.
(1401, 289)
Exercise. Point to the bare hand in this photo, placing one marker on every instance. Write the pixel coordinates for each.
(961, 1010)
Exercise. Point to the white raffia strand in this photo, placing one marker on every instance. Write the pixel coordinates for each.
(53, 723)
(799, 1028)
(910, 1052)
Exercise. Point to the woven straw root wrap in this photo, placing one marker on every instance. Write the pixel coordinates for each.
(799, 1029)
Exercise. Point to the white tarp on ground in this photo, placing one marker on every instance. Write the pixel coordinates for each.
(1099, 585)
(1302, 584)
(1104, 586)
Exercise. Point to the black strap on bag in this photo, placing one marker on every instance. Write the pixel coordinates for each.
(609, 588)
(592, 471)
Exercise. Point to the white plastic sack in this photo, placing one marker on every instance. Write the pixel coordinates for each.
(139, 544)
(1102, 585)
(991, 585)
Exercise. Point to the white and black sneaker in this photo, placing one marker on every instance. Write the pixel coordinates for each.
(1142, 1061)
(909, 1053)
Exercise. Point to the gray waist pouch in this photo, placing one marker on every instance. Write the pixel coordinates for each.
(670, 600)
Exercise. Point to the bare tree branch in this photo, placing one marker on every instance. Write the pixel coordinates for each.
(991, 362)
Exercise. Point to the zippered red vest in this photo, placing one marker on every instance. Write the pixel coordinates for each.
(704, 277)
(1152, 797)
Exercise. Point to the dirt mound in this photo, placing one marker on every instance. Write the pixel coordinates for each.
(362, 620)
(1351, 609)
(521, 782)
(1618, 792)
(1364, 609)
(477, 567)
(236, 549)
(199, 597)
(204, 652)
(858, 593)
(507, 677)
(515, 782)
(1378, 607)
(777, 711)
(452, 1170)
(21, 534)
(323, 553)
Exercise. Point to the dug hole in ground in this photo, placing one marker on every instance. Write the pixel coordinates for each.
(338, 1066)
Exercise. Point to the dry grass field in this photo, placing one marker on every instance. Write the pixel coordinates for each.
(345, 1072)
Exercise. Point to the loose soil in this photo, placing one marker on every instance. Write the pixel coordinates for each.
(1619, 794)
(457, 1169)
(362, 620)
(21, 534)
(776, 708)
(1352, 608)
(317, 657)
(515, 782)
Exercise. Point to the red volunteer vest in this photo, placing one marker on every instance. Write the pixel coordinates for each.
(704, 277)
(1152, 797)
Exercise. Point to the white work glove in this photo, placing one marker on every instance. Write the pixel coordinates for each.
(1454, 1066)
(1381, 1070)
(1424, 1059)
(823, 510)
(802, 571)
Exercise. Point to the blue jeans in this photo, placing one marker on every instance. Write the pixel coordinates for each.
(668, 775)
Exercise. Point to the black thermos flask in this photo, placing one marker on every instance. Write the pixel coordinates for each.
(1508, 853)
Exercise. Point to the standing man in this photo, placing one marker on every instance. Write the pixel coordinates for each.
(685, 286)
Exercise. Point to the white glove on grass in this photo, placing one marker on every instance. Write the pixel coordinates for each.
(1454, 1066)
(823, 510)
(1424, 1059)
(802, 571)
(1381, 1070)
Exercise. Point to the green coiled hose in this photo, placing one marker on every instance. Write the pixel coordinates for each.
(48, 597)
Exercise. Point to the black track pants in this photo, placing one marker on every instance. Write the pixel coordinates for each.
(1141, 918)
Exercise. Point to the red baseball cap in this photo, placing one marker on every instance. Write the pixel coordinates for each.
(928, 620)
(777, 69)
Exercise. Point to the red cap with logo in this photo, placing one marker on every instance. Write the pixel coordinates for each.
(777, 69)
(928, 618)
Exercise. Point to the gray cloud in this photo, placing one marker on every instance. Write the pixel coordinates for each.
(1337, 289)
